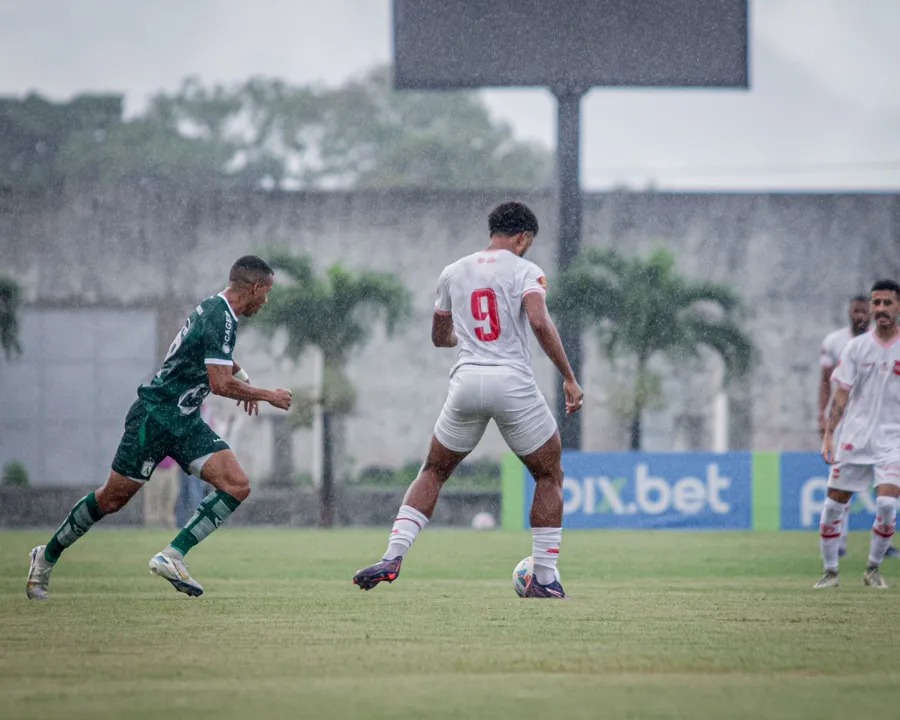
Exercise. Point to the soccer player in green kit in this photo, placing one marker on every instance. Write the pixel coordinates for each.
(165, 421)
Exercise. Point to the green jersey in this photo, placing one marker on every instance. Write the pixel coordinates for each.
(177, 390)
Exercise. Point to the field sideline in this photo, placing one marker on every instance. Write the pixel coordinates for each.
(662, 625)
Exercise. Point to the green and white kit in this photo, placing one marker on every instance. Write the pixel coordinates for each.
(165, 419)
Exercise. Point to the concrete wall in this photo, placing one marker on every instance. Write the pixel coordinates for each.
(794, 259)
(64, 397)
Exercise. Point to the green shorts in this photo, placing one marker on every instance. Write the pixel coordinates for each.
(146, 442)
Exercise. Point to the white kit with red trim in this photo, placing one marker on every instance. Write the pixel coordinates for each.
(484, 292)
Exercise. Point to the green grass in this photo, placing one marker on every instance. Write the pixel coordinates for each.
(662, 625)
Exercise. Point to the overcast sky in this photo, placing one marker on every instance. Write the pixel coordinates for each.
(822, 112)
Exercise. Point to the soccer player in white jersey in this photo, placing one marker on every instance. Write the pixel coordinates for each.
(830, 354)
(862, 435)
(833, 345)
(484, 303)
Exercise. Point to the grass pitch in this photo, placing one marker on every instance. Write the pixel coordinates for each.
(662, 625)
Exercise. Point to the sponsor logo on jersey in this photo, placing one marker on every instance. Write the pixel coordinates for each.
(229, 326)
(896, 367)
(226, 348)
(147, 468)
(191, 399)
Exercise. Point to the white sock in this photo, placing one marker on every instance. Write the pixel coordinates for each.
(545, 551)
(882, 528)
(845, 527)
(406, 526)
(830, 532)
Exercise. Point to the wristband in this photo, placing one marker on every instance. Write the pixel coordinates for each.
(242, 376)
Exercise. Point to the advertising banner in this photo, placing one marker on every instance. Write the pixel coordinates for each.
(803, 480)
(644, 490)
(690, 491)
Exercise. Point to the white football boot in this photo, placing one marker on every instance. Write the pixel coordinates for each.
(173, 570)
(873, 578)
(38, 575)
(828, 580)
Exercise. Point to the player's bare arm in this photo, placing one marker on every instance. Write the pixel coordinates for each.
(548, 338)
(824, 396)
(251, 407)
(838, 405)
(442, 333)
(223, 382)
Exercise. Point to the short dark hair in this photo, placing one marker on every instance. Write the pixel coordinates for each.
(890, 285)
(512, 218)
(249, 269)
(859, 298)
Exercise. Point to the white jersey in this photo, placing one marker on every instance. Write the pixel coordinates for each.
(484, 292)
(869, 432)
(833, 345)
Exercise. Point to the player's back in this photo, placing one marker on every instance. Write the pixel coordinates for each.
(833, 345)
(484, 292)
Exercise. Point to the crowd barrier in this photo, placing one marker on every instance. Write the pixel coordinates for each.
(684, 491)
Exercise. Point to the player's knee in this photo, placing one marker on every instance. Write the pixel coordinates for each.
(238, 487)
(549, 476)
(885, 513)
(551, 483)
(437, 471)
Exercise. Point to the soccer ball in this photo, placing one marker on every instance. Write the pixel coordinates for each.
(483, 521)
(522, 575)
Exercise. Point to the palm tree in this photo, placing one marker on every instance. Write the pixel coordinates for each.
(10, 304)
(335, 313)
(643, 307)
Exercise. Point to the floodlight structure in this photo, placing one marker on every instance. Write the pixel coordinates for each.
(569, 46)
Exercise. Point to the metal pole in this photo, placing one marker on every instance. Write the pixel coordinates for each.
(568, 149)
(326, 491)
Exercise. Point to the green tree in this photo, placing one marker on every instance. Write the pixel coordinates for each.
(335, 313)
(144, 151)
(265, 132)
(35, 132)
(379, 137)
(642, 307)
(10, 307)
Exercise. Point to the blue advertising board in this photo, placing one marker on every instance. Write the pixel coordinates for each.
(803, 483)
(655, 490)
(763, 491)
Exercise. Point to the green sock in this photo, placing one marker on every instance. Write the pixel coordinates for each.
(80, 519)
(211, 513)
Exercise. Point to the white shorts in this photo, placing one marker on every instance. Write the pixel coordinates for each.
(859, 478)
(479, 393)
